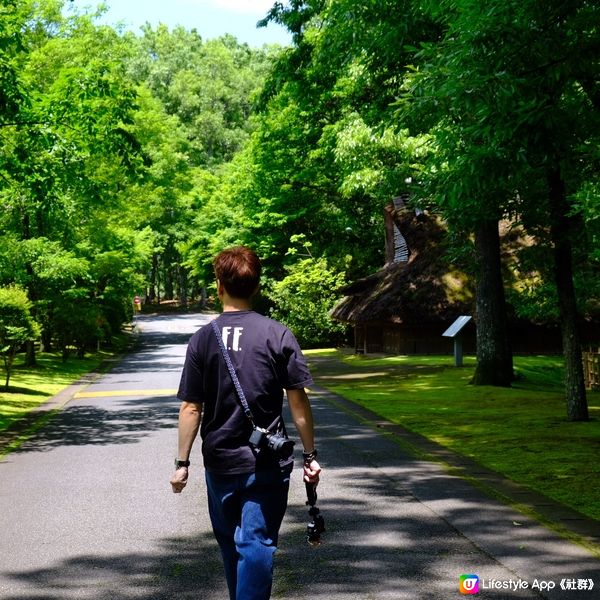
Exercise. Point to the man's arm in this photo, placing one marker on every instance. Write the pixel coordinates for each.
(190, 414)
(303, 420)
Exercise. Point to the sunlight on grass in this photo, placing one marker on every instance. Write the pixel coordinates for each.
(520, 431)
(31, 386)
(356, 376)
(332, 352)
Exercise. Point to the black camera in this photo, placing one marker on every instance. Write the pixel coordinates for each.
(279, 444)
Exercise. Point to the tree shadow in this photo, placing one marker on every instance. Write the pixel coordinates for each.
(21, 390)
(382, 542)
(152, 340)
(177, 567)
(160, 357)
(373, 549)
(396, 528)
(331, 369)
(81, 425)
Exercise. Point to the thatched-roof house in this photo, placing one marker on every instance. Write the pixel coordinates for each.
(405, 307)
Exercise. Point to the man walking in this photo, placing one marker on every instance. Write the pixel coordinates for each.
(247, 481)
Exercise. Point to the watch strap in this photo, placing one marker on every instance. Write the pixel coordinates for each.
(309, 456)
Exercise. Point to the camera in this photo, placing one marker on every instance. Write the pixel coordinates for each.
(278, 444)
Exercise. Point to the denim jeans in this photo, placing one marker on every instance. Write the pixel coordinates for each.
(246, 512)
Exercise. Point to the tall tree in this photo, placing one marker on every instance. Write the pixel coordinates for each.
(330, 144)
(516, 83)
(12, 20)
(195, 113)
(16, 325)
(65, 161)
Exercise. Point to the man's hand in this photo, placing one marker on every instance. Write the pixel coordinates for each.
(312, 471)
(179, 480)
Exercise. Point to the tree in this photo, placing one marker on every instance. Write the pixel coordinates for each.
(16, 326)
(329, 153)
(66, 162)
(504, 96)
(11, 92)
(512, 87)
(195, 108)
(304, 298)
(324, 160)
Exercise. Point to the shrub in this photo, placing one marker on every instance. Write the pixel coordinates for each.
(304, 299)
(16, 325)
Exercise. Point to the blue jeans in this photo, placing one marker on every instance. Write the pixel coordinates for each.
(246, 512)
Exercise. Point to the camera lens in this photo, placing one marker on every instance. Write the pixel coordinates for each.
(281, 445)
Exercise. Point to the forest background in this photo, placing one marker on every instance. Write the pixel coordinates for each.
(128, 161)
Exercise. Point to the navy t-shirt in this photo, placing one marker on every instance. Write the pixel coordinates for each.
(267, 360)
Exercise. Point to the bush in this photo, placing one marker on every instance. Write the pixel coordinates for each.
(16, 325)
(77, 320)
(304, 299)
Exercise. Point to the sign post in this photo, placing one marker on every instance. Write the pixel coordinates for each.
(454, 332)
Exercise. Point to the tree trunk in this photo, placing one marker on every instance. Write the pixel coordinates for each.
(168, 285)
(182, 292)
(577, 408)
(494, 355)
(153, 278)
(46, 341)
(7, 371)
(30, 358)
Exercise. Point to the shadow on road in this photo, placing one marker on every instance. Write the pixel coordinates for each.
(153, 340)
(385, 549)
(185, 567)
(397, 528)
(381, 541)
(82, 425)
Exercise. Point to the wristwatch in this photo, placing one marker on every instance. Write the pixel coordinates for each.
(309, 456)
(181, 463)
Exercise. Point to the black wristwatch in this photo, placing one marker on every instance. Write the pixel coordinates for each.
(309, 456)
(181, 463)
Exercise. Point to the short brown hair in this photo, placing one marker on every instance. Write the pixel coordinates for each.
(238, 269)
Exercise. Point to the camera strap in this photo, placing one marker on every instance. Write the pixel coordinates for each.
(234, 378)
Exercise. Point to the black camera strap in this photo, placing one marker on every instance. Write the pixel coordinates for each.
(234, 378)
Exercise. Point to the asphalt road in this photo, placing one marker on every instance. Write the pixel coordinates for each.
(86, 510)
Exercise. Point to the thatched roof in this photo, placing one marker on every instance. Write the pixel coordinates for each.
(423, 290)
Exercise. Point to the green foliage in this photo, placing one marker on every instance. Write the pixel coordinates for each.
(103, 171)
(16, 325)
(65, 163)
(209, 86)
(128, 161)
(11, 91)
(77, 321)
(304, 298)
(195, 105)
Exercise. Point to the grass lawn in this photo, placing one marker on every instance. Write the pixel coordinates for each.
(521, 432)
(31, 386)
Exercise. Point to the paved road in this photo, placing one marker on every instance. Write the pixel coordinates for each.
(86, 510)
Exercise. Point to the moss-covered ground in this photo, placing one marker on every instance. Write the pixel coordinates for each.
(521, 432)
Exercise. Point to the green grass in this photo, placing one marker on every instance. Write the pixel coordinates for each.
(31, 386)
(521, 432)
